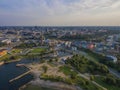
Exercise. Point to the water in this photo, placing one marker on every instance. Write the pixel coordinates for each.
(29, 60)
(10, 71)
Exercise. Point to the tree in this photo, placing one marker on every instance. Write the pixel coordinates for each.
(92, 77)
(45, 68)
(12, 58)
(110, 80)
(56, 59)
(50, 60)
(72, 76)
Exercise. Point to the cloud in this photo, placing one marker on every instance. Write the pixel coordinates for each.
(59, 12)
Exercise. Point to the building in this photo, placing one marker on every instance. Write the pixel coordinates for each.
(91, 46)
(3, 52)
(7, 41)
(74, 48)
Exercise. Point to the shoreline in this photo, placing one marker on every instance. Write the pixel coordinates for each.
(36, 81)
(2, 63)
(51, 85)
(12, 61)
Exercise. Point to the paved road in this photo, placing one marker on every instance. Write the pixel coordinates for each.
(114, 72)
(82, 75)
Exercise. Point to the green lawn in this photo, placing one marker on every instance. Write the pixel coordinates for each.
(77, 80)
(106, 85)
(38, 50)
(16, 51)
(5, 57)
(8, 55)
(67, 70)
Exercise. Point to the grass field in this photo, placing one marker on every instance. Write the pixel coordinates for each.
(5, 57)
(38, 50)
(67, 70)
(16, 51)
(8, 55)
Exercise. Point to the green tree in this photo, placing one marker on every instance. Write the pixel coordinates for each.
(92, 77)
(45, 68)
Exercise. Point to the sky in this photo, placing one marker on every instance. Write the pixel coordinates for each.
(60, 12)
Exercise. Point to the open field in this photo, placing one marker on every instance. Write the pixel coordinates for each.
(38, 50)
(14, 51)
(67, 70)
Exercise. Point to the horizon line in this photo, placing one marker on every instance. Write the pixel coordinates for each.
(60, 26)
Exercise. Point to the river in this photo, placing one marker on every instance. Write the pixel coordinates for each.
(10, 71)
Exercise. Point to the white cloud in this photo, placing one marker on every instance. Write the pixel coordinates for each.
(61, 12)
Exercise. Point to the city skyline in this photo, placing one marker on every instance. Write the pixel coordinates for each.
(59, 12)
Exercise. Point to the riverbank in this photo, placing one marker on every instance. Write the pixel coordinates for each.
(49, 86)
(2, 63)
(38, 83)
(36, 72)
(38, 88)
(12, 61)
(10, 71)
(7, 62)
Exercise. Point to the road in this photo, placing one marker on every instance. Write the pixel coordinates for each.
(114, 72)
(84, 76)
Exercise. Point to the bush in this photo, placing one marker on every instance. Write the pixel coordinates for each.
(110, 80)
(45, 68)
(92, 77)
(84, 65)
